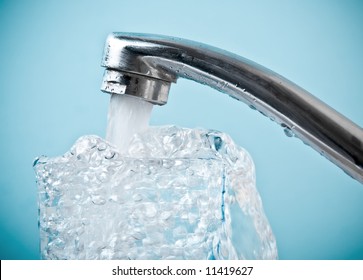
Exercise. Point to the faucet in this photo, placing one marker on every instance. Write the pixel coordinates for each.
(145, 65)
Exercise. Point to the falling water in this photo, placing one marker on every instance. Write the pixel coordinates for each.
(127, 116)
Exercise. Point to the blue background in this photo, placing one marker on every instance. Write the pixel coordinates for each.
(49, 89)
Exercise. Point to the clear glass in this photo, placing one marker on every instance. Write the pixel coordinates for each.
(177, 194)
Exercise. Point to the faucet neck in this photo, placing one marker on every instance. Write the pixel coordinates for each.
(145, 65)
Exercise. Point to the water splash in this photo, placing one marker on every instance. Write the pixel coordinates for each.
(176, 193)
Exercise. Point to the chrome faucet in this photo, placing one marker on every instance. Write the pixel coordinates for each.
(145, 65)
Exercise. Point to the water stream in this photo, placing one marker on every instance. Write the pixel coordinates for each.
(127, 115)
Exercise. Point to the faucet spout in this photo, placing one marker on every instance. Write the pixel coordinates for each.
(145, 65)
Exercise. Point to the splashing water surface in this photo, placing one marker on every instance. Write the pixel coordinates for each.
(168, 193)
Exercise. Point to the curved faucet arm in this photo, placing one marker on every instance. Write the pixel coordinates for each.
(145, 65)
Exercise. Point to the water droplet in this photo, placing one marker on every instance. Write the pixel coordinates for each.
(263, 113)
(288, 132)
(190, 172)
(150, 210)
(147, 171)
(102, 146)
(40, 160)
(138, 235)
(137, 197)
(110, 155)
(165, 215)
(98, 200)
(218, 143)
(102, 176)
